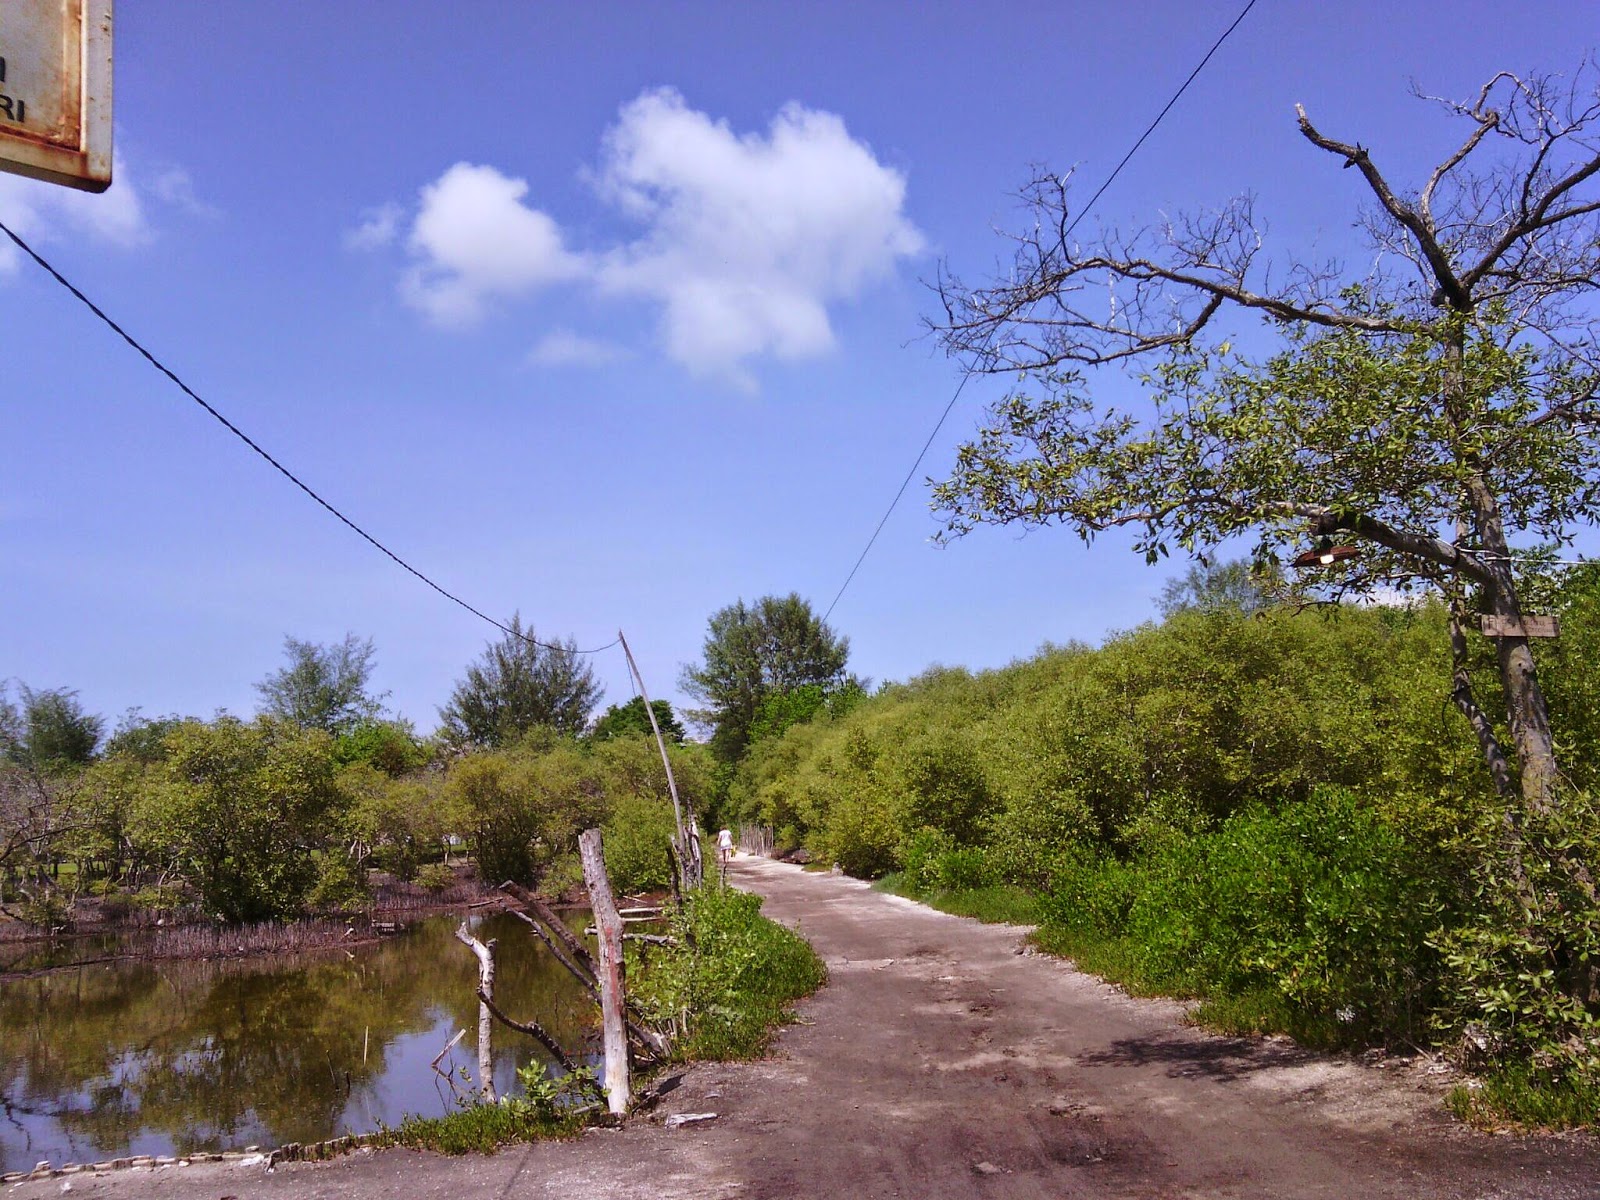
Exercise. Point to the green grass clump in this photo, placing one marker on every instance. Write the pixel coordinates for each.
(479, 1129)
(1115, 959)
(1527, 1098)
(550, 1106)
(731, 980)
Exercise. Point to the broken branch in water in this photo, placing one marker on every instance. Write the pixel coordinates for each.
(446, 1075)
(534, 1030)
(547, 915)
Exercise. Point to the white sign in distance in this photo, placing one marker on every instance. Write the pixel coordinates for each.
(55, 91)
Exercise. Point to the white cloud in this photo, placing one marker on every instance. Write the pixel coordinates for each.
(474, 239)
(174, 186)
(41, 212)
(377, 229)
(748, 238)
(563, 348)
(744, 241)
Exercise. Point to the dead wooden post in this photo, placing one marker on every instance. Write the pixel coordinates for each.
(696, 860)
(485, 953)
(689, 858)
(608, 923)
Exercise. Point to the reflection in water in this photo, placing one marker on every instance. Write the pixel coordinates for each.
(175, 1057)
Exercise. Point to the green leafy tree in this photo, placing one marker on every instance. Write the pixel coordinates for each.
(140, 738)
(518, 685)
(753, 651)
(102, 813)
(49, 730)
(389, 746)
(1214, 586)
(779, 710)
(237, 812)
(1426, 410)
(322, 687)
(631, 720)
(523, 808)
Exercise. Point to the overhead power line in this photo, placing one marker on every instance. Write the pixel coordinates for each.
(960, 387)
(276, 465)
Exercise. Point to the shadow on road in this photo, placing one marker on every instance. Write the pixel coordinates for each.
(1224, 1059)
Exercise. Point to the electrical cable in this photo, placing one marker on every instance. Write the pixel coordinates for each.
(1110, 179)
(278, 466)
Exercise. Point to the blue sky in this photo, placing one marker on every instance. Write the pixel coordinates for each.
(609, 313)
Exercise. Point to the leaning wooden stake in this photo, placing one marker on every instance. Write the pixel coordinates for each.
(612, 1002)
(485, 953)
(688, 840)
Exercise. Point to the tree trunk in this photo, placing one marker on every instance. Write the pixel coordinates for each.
(1482, 727)
(485, 955)
(1526, 713)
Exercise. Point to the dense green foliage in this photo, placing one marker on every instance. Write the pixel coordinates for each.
(1280, 815)
(731, 979)
(388, 746)
(1321, 913)
(49, 730)
(262, 820)
(631, 720)
(1169, 727)
(237, 810)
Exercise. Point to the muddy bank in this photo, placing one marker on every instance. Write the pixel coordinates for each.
(106, 931)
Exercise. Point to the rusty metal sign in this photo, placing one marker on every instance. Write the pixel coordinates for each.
(1531, 626)
(55, 91)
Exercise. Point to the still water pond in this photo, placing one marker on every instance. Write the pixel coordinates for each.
(176, 1057)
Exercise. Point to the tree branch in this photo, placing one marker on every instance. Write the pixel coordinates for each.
(1418, 545)
(534, 1030)
(1458, 296)
(1539, 218)
(1462, 697)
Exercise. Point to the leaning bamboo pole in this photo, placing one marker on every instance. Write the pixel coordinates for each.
(688, 841)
